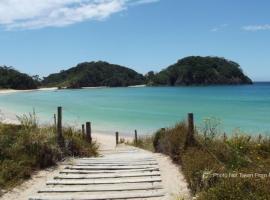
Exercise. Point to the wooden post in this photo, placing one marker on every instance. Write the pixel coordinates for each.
(260, 138)
(117, 138)
(190, 134)
(54, 117)
(136, 137)
(224, 137)
(88, 132)
(83, 130)
(60, 138)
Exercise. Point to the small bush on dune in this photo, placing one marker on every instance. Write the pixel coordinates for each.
(196, 163)
(76, 145)
(213, 155)
(28, 147)
(237, 188)
(171, 141)
(144, 142)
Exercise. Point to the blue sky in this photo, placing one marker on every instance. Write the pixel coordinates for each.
(49, 35)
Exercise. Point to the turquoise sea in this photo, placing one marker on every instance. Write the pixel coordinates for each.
(149, 108)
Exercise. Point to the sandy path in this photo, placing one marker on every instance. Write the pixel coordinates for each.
(172, 179)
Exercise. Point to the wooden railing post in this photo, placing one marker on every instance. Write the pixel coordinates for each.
(136, 137)
(117, 138)
(60, 137)
(224, 137)
(190, 140)
(83, 130)
(54, 117)
(88, 132)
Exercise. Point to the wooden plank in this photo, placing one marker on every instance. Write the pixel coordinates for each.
(109, 167)
(116, 164)
(103, 181)
(75, 171)
(134, 158)
(109, 196)
(146, 184)
(98, 176)
(113, 162)
(112, 188)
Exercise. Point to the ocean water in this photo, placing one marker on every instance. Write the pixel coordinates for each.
(149, 108)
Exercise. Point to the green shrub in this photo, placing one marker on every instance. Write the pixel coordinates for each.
(144, 142)
(28, 147)
(212, 155)
(171, 141)
(76, 145)
(238, 189)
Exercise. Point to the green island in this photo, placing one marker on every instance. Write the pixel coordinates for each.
(93, 74)
(193, 70)
(13, 79)
(197, 70)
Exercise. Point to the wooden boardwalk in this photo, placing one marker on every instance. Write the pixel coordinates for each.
(122, 173)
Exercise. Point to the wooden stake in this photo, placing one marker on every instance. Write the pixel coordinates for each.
(83, 130)
(136, 137)
(224, 137)
(88, 132)
(190, 134)
(117, 138)
(54, 117)
(60, 138)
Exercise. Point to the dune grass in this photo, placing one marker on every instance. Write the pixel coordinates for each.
(217, 167)
(28, 147)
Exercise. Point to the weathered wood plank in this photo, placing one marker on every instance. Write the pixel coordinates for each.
(114, 164)
(112, 188)
(109, 167)
(146, 194)
(75, 171)
(99, 176)
(103, 181)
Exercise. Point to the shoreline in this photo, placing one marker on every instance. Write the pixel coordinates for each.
(10, 117)
(104, 139)
(10, 91)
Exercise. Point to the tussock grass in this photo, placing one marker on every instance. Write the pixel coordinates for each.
(27, 147)
(144, 142)
(213, 157)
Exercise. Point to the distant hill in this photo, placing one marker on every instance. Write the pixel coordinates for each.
(196, 70)
(91, 74)
(193, 70)
(13, 79)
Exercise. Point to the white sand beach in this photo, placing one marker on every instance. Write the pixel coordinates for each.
(9, 91)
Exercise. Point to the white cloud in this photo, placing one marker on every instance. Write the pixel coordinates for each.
(34, 14)
(264, 27)
(219, 28)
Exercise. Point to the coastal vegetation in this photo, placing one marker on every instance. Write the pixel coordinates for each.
(217, 166)
(28, 147)
(92, 74)
(13, 79)
(197, 70)
(193, 70)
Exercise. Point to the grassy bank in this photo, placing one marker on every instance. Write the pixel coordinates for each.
(217, 167)
(27, 147)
